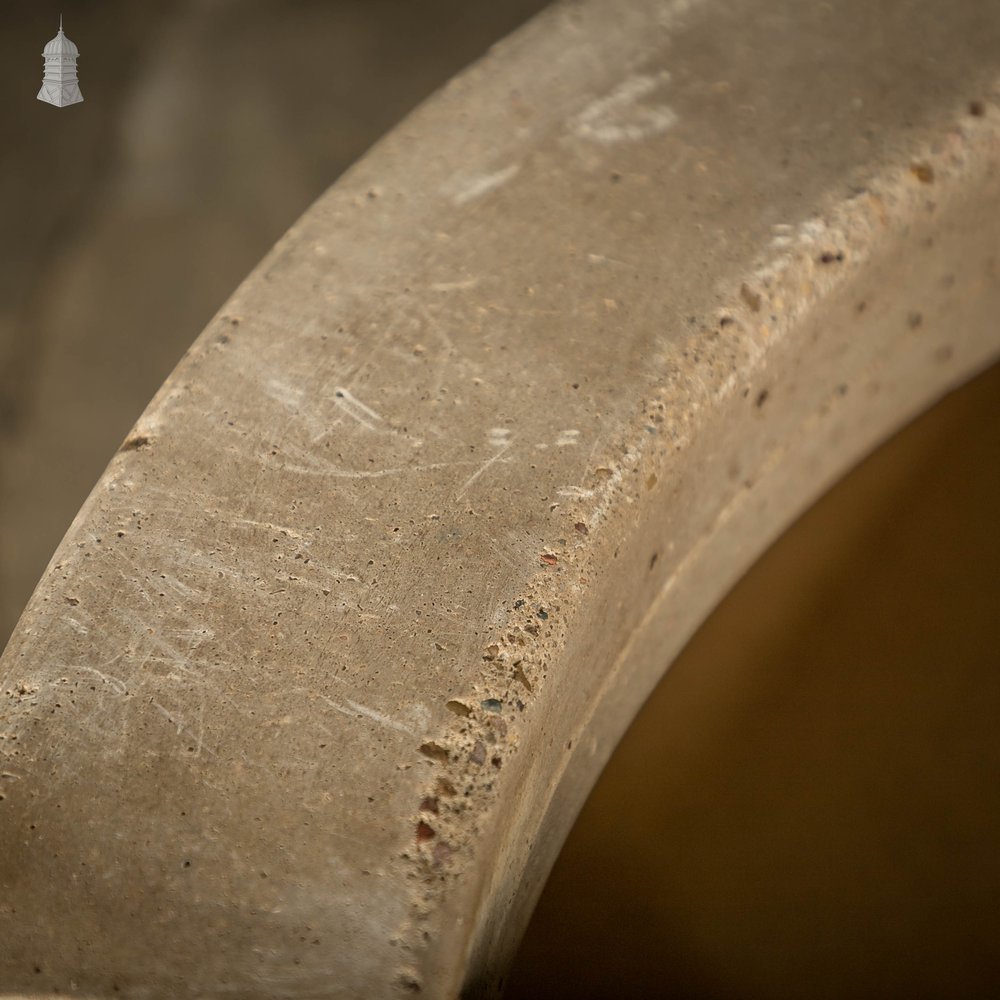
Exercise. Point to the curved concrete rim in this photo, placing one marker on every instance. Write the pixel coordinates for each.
(319, 677)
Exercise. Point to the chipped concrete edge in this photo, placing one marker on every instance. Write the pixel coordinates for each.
(792, 278)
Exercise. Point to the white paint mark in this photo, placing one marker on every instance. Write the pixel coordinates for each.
(499, 437)
(475, 475)
(574, 491)
(566, 438)
(618, 118)
(466, 189)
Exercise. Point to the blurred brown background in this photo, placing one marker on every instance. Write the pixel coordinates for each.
(809, 804)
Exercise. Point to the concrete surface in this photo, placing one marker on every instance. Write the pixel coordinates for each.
(209, 126)
(351, 624)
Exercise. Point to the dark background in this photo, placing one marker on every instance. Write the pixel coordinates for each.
(808, 805)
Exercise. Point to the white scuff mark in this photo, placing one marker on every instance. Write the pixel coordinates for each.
(290, 532)
(201, 727)
(315, 465)
(599, 258)
(574, 491)
(500, 549)
(568, 437)
(499, 436)
(355, 409)
(336, 573)
(618, 117)
(309, 464)
(168, 716)
(195, 636)
(76, 626)
(182, 727)
(115, 683)
(182, 588)
(475, 475)
(172, 655)
(420, 716)
(454, 286)
(466, 189)
(291, 397)
(317, 437)
(283, 393)
(355, 710)
(212, 561)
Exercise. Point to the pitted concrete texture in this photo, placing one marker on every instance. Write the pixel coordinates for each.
(312, 690)
(127, 220)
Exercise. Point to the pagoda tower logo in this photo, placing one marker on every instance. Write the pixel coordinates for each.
(59, 84)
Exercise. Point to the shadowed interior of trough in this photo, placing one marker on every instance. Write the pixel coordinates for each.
(808, 805)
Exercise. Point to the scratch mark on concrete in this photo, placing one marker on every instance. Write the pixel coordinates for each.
(354, 408)
(315, 465)
(168, 716)
(454, 286)
(599, 258)
(284, 529)
(182, 588)
(115, 683)
(475, 475)
(292, 398)
(498, 548)
(466, 189)
(370, 713)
